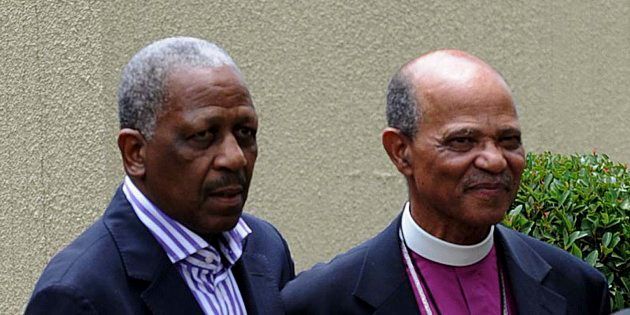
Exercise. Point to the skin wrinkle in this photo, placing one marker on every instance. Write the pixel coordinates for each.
(200, 159)
(464, 163)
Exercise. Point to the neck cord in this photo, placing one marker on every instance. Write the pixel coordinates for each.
(423, 297)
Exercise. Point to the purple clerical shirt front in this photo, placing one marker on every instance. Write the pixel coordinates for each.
(470, 289)
(455, 279)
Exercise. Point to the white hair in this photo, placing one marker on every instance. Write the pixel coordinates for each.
(142, 91)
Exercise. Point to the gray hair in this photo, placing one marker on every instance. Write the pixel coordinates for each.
(143, 92)
(402, 108)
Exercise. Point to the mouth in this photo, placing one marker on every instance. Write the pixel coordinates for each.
(230, 196)
(488, 189)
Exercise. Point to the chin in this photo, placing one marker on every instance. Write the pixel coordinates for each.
(219, 224)
(493, 217)
(483, 216)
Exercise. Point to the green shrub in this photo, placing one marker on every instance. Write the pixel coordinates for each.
(580, 203)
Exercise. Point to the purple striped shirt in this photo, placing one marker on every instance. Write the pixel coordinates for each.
(210, 280)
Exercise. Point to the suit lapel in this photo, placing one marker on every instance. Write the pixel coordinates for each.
(526, 272)
(383, 282)
(163, 289)
(259, 291)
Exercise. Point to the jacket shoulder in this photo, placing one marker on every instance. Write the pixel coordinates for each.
(67, 284)
(583, 286)
(559, 260)
(265, 240)
(264, 235)
(326, 287)
(93, 249)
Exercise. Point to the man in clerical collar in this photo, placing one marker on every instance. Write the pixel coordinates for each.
(454, 134)
(174, 239)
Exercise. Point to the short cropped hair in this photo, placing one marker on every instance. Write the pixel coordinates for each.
(143, 91)
(402, 107)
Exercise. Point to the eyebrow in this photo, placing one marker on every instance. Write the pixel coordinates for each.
(506, 130)
(471, 131)
(465, 131)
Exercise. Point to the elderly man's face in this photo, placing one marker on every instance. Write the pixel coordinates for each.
(467, 156)
(201, 157)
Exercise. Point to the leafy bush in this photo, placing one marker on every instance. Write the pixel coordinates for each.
(580, 203)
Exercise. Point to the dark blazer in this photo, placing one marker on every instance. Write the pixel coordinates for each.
(117, 267)
(371, 279)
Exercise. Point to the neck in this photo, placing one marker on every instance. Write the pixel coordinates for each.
(444, 227)
(439, 250)
(451, 232)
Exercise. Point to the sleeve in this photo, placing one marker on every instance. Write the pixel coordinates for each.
(605, 299)
(59, 299)
(288, 272)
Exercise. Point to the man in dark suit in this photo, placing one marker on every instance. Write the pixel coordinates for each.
(173, 239)
(454, 134)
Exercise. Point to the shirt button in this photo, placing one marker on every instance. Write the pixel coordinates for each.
(209, 259)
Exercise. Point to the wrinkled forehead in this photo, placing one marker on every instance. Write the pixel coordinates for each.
(214, 86)
(223, 74)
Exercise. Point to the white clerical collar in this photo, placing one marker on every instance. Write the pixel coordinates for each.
(440, 251)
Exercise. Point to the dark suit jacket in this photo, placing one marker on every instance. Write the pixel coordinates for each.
(117, 267)
(371, 279)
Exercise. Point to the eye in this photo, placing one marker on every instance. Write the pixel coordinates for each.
(461, 143)
(203, 136)
(511, 142)
(246, 133)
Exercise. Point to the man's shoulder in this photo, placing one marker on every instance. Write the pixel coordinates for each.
(556, 257)
(84, 255)
(327, 287)
(75, 274)
(259, 224)
(566, 271)
(266, 241)
(583, 287)
(329, 275)
(263, 233)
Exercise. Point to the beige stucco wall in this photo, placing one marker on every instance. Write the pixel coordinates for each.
(317, 71)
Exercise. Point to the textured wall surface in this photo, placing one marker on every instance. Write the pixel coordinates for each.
(317, 71)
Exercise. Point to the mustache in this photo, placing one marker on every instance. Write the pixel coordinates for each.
(504, 179)
(227, 179)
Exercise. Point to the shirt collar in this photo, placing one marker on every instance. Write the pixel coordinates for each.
(440, 251)
(178, 241)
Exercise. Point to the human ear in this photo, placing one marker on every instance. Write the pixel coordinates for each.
(397, 146)
(132, 147)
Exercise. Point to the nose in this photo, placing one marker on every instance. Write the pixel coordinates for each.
(491, 159)
(231, 155)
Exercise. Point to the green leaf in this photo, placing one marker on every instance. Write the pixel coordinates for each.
(606, 239)
(564, 197)
(548, 180)
(615, 241)
(581, 203)
(516, 211)
(576, 251)
(592, 258)
(576, 236)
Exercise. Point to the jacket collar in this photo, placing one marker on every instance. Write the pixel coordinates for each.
(527, 272)
(384, 285)
(166, 292)
(144, 259)
(383, 280)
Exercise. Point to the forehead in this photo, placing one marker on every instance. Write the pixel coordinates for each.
(201, 87)
(480, 97)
